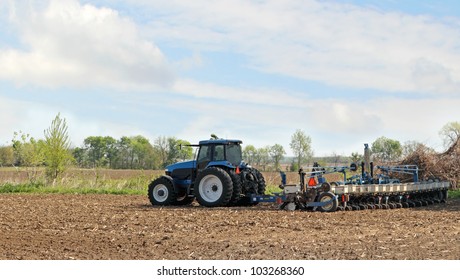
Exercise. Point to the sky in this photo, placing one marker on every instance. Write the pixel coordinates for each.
(344, 72)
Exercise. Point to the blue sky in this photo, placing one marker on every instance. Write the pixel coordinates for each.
(345, 72)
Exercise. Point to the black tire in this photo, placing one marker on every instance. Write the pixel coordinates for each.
(253, 183)
(326, 196)
(249, 182)
(161, 191)
(261, 185)
(237, 188)
(213, 187)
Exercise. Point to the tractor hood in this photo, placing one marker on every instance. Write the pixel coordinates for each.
(181, 165)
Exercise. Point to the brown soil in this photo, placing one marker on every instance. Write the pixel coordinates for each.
(128, 227)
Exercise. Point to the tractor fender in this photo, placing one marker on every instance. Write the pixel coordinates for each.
(173, 182)
(221, 163)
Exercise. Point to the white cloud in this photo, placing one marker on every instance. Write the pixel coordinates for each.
(73, 45)
(259, 96)
(333, 43)
(69, 44)
(334, 124)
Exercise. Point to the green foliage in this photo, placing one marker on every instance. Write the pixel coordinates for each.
(301, 146)
(56, 148)
(385, 149)
(454, 193)
(28, 154)
(170, 150)
(272, 189)
(262, 157)
(277, 153)
(98, 151)
(249, 154)
(134, 152)
(21, 188)
(294, 166)
(356, 157)
(6, 156)
(126, 153)
(178, 150)
(142, 153)
(83, 184)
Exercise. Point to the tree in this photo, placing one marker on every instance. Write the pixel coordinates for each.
(170, 150)
(386, 149)
(277, 153)
(133, 152)
(356, 157)
(249, 154)
(6, 156)
(450, 133)
(57, 148)
(142, 152)
(28, 153)
(301, 146)
(124, 154)
(185, 150)
(81, 156)
(262, 157)
(174, 150)
(162, 148)
(100, 150)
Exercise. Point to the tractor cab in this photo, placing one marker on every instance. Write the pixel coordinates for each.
(219, 152)
(215, 152)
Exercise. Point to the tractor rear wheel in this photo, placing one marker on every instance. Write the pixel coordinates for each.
(161, 191)
(214, 187)
(261, 186)
(237, 188)
(326, 197)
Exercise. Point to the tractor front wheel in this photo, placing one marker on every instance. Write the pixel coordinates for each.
(214, 187)
(161, 191)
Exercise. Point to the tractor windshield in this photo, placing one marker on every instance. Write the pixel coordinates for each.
(234, 154)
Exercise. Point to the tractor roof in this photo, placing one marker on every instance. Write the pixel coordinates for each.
(220, 141)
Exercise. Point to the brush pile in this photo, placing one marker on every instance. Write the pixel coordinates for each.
(443, 166)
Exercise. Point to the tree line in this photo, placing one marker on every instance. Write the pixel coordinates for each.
(137, 152)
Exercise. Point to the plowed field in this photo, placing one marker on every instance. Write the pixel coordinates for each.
(37, 226)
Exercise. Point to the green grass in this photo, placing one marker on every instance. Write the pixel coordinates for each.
(136, 185)
(40, 188)
(454, 193)
(81, 185)
(272, 189)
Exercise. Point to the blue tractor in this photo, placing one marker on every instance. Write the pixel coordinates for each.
(218, 177)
